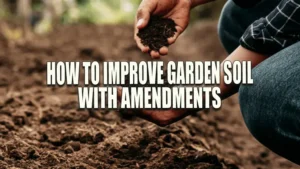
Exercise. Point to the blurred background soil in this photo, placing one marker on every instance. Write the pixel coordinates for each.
(42, 127)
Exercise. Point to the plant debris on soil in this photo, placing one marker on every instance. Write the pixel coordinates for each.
(42, 127)
(155, 35)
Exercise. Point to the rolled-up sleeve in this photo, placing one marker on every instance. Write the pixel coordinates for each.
(278, 30)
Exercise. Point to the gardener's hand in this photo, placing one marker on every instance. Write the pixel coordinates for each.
(178, 10)
(159, 117)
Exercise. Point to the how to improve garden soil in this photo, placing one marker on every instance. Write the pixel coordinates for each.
(42, 127)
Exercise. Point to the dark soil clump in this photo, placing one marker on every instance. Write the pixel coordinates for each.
(156, 34)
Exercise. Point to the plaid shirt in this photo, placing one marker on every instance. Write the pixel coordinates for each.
(278, 30)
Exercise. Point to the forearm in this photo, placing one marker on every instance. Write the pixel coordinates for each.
(199, 2)
(240, 54)
(166, 117)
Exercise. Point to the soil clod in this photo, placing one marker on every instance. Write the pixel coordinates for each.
(157, 32)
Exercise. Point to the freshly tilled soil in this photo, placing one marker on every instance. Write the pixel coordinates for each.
(41, 126)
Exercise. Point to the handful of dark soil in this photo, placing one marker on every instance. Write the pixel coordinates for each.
(157, 32)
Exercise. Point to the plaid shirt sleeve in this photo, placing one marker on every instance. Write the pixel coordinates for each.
(278, 30)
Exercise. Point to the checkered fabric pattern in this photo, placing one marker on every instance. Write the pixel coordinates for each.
(278, 30)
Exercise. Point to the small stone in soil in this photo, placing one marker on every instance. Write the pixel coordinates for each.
(68, 150)
(75, 145)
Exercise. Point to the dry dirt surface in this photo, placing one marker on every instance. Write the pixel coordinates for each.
(41, 127)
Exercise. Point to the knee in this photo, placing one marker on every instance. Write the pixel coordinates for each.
(249, 108)
(270, 106)
(270, 121)
(257, 107)
(261, 105)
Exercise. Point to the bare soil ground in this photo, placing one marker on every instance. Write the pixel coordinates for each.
(41, 127)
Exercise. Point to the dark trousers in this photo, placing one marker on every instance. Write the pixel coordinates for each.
(271, 106)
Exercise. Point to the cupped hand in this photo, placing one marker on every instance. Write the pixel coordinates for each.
(178, 10)
(159, 117)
